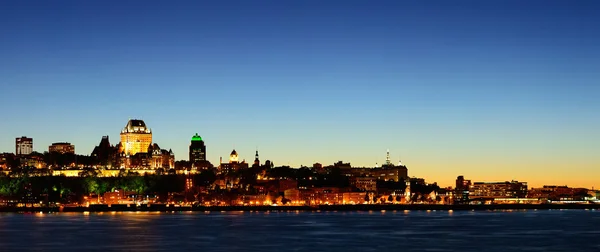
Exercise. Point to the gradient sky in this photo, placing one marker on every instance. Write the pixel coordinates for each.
(492, 90)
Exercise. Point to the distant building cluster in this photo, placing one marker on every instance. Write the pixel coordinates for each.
(234, 181)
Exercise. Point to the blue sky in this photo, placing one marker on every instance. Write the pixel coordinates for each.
(493, 90)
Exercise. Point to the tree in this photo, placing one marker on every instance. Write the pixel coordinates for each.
(390, 198)
(367, 199)
(92, 186)
(138, 185)
(64, 191)
(5, 188)
(16, 185)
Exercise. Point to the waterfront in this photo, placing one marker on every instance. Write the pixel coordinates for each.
(359, 207)
(542, 230)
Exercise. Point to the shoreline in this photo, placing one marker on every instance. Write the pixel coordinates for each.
(326, 208)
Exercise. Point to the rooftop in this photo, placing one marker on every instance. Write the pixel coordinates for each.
(196, 138)
(137, 126)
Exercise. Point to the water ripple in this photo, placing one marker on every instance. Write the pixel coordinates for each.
(303, 231)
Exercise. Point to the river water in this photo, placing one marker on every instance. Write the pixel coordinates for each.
(544, 230)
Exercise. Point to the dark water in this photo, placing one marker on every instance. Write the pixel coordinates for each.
(548, 230)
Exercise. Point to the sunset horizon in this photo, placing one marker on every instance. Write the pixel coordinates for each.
(434, 167)
(311, 125)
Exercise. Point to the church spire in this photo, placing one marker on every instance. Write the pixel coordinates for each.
(256, 160)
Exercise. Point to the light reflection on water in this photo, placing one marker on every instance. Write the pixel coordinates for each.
(572, 230)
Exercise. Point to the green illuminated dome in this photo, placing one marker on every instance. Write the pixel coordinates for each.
(196, 138)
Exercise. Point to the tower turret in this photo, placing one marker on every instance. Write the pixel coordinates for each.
(256, 160)
(388, 162)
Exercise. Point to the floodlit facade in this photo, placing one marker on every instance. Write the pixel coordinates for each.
(135, 137)
(233, 157)
(512, 189)
(234, 163)
(364, 183)
(62, 148)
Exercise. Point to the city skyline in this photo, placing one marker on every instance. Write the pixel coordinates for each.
(491, 91)
(450, 182)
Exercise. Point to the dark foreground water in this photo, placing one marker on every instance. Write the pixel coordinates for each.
(547, 230)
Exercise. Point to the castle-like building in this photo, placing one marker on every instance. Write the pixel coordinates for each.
(135, 138)
(106, 154)
(153, 158)
(135, 151)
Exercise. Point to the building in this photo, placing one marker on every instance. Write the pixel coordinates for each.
(23, 145)
(116, 197)
(197, 149)
(153, 158)
(493, 190)
(234, 163)
(324, 196)
(233, 157)
(352, 198)
(390, 173)
(136, 151)
(256, 160)
(276, 186)
(394, 173)
(135, 137)
(161, 158)
(595, 195)
(461, 190)
(294, 195)
(559, 193)
(364, 183)
(105, 154)
(62, 148)
(189, 183)
(387, 172)
(8, 160)
(446, 195)
(269, 164)
(318, 168)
